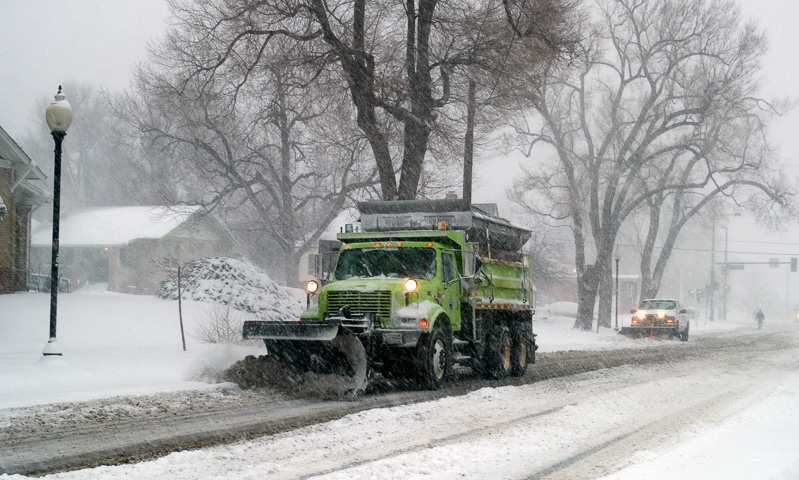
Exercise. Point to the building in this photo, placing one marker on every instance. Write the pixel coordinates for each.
(22, 190)
(133, 249)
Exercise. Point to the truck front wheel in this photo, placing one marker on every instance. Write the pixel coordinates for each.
(434, 360)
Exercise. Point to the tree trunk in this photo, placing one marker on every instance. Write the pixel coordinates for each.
(605, 308)
(417, 124)
(586, 296)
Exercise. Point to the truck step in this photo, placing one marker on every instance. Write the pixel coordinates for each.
(462, 359)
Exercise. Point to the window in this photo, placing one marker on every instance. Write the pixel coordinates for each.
(312, 259)
(127, 257)
(448, 271)
(171, 257)
(410, 262)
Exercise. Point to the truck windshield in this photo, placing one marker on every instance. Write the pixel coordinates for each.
(658, 304)
(387, 262)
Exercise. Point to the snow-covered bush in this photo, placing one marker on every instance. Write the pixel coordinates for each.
(237, 283)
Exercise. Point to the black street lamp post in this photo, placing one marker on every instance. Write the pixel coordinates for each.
(58, 116)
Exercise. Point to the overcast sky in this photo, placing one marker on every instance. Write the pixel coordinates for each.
(98, 42)
(48, 42)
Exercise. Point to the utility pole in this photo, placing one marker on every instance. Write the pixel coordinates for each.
(468, 147)
(724, 304)
(712, 269)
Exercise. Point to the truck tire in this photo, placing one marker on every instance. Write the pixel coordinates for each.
(518, 353)
(498, 356)
(434, 360)
(684, 335)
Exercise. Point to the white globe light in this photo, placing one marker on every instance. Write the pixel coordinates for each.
(59, 113)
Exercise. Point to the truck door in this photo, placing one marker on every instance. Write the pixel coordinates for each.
(451, 298)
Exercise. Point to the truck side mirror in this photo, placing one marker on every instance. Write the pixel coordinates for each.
(467, 283)
(469, 264)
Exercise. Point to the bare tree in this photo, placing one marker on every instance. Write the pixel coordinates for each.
(663, 106)
(94, 171)
(397, 60)
(244, 143)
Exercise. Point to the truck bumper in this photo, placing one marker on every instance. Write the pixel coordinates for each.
(649, 331)
(399, 338)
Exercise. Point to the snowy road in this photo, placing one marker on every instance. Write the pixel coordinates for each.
(564, 425)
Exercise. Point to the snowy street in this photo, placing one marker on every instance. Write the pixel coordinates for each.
(679, 418)
(382, 240)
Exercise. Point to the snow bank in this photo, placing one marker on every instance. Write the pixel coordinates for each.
(236, 283)
(562, 309)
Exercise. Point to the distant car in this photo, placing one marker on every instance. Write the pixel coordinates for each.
(38, 283)
(657, 317)
(64, 285)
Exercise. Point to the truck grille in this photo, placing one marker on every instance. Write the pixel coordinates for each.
(651, 319)
(378, 302)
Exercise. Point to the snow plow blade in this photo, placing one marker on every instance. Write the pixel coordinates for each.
(647, 332)
(276, 330)
(332, 358)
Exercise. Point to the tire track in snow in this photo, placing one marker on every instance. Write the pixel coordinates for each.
(603, 458)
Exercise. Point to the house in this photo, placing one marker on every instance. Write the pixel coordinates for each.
(133, 249)
(22, 190)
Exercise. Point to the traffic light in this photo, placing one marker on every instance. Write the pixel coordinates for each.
(793, 264)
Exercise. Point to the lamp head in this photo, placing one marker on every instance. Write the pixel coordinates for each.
(59, 113)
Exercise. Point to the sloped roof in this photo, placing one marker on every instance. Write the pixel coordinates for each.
(114, 225)
(30, 178)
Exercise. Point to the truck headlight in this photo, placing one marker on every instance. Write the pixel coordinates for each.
(641, 314)
(410, 286)
(311, 286)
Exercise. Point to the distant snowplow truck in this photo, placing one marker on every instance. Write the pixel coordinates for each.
(424, 284)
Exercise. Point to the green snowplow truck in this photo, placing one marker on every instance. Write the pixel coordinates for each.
(419, 286)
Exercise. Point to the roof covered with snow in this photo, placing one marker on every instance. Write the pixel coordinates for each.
(114, 225)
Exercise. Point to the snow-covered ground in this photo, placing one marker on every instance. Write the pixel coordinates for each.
(116, 344)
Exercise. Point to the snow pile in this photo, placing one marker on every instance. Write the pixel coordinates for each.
(560, 309)
(235, 283)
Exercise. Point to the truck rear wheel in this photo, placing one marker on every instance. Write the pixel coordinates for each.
(434, 359)
(519, 353)
(499, 354)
